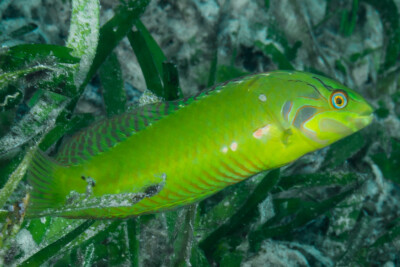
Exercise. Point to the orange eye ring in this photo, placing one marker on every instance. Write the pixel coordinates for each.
(339, 99)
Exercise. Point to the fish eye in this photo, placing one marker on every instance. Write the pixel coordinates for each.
(339, 99)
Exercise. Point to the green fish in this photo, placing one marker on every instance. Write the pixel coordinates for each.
(166, 155)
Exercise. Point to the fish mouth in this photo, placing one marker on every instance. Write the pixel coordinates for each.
(334, 126)
(362, 121)
(353, 124)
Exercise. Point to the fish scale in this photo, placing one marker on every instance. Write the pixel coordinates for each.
(166, 155)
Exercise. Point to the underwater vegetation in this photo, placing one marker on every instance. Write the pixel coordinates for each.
(65, 64)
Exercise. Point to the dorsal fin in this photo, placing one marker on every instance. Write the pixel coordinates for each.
(106, 133)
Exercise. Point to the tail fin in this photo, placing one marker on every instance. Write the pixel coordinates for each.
(44, 196)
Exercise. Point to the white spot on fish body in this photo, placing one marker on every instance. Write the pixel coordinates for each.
(262, 97)
(234, 146)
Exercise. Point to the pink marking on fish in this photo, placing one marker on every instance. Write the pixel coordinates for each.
(261, 131)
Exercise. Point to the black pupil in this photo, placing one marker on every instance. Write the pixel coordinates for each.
(339, 101)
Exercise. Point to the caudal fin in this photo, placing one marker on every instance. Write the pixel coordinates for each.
(45, 195)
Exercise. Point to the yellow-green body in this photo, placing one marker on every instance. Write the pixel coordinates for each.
(204, 144)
